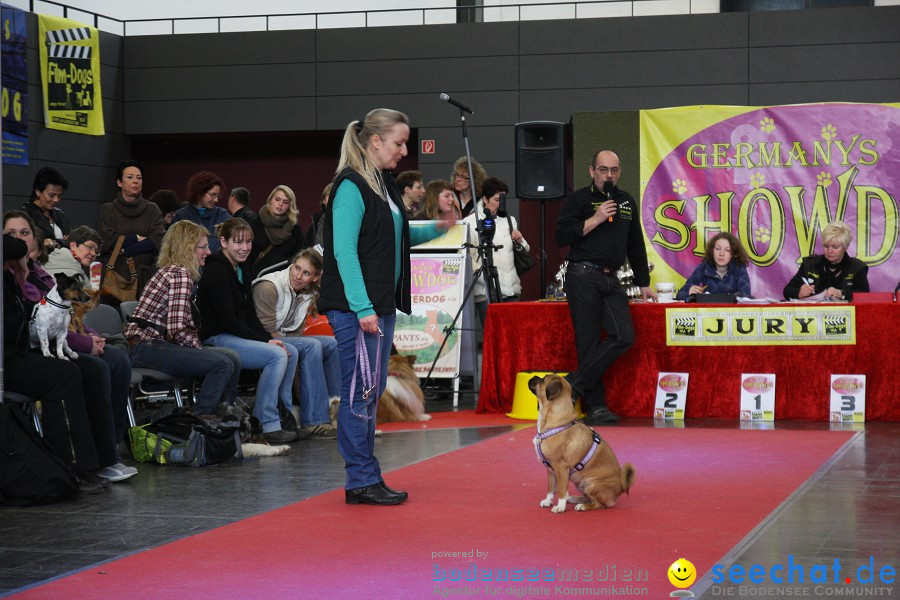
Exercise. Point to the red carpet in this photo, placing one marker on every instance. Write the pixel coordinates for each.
(697, 493)
(462, 418)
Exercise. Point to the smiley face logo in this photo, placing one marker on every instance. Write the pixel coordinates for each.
(682, 573)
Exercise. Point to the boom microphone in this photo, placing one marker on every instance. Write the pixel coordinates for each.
(459, 105)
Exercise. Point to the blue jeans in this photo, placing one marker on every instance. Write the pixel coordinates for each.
(356, 434)
(278, 368)
(319, 373)
(219, 368)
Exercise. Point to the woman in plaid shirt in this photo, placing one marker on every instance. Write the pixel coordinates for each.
(164, 329)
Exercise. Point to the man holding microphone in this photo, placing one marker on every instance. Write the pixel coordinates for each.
(601, 225)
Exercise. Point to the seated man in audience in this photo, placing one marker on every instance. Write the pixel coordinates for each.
(239, 204)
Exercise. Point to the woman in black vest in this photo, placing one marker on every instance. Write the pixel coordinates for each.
(366, 279)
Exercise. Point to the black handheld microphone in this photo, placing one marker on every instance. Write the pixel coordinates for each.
(608, 187)
(501, 208)
(446, 98)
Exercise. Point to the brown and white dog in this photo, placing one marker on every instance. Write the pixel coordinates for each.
(79, 309)
(51, 317)
(573, 451)
(402, 399)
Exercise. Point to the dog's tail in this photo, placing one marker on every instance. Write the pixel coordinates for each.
(628, 472)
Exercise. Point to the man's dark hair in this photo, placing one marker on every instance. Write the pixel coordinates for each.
(47, 176)
(408, 179)
(242, 195)
(83, 234)
(128, 163)
(491, 186)
(166, 200)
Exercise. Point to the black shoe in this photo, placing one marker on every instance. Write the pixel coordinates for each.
(393, 492)
(373, 494)
(600, 416)
(280, 436)
(92, 478)
(90, 488)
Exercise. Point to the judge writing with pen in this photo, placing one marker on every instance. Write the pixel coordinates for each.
(834, 273)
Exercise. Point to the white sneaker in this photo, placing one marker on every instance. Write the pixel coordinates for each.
(116, 472)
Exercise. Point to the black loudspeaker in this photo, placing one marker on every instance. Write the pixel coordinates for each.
(540, 160)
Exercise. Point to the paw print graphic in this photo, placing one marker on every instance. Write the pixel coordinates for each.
(829, 132)
(757, 180)
(767, 125)
(824, 179)
(762, 234)
(679, 186)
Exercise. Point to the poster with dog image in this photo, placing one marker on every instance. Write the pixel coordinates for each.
(437, 292)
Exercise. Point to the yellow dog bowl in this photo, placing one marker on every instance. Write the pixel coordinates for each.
(525, 403)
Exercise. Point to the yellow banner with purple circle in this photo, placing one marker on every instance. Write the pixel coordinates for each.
(773, 176)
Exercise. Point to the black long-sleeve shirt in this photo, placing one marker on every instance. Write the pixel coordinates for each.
(609, 243)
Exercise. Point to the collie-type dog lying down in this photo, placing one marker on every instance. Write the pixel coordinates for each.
(572, 451)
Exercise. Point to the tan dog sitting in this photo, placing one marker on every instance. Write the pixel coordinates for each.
(402, 399)
(573, 451)
(79, 309)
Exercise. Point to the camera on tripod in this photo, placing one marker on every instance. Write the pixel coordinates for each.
(488, 225)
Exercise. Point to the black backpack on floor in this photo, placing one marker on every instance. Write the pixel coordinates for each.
(30, 471)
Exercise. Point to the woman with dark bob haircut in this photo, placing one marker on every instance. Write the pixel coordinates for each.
(203, 192)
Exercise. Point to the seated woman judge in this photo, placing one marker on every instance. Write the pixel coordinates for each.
(504, 235)
(228, 319)
(162, 330)
(283, 301)
(366, 279)
(833, 273)
(47, 191)
(203, 192)
(133, 216)
(276, 235)
(723, 270)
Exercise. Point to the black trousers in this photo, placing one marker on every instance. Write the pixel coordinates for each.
(73, 422)
(596, 301)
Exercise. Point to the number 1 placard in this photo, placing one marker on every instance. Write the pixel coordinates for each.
(848, 399)
(758, 397)
(671, 395)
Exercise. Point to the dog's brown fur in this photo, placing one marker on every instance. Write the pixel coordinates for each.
(402, 399)
(79, 309)
(602, 480)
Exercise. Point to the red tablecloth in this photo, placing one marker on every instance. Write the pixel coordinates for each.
(537, 336)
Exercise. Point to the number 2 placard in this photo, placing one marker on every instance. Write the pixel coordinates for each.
(671, 395)
(848, 399)
(758, 397)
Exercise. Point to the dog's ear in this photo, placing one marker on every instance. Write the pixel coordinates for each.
(62, 279)
(554, 388)
(533, 383)
(411, 359)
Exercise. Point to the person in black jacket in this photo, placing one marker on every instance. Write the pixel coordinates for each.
(833, 273)
(277, 236)
(66, 418)
(228, 319)
(366, 279)
(601, 225)
(47, 190)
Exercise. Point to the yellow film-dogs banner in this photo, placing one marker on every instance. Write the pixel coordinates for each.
(70, 75)
(781, 325)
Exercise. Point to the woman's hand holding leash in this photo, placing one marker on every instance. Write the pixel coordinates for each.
(369, 324)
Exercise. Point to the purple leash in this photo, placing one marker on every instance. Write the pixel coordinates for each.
(368, 377)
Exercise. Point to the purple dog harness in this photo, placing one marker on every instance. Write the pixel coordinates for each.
(540, 437)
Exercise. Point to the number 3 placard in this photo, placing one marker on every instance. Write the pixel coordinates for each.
(671, 395)
(758, 397)
(848, 399)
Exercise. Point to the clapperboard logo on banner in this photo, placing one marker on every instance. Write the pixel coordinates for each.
(835, 325)
(70, 78)
(686, 326)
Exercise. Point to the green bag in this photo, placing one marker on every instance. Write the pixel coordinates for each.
(147, 446)
(185, 439)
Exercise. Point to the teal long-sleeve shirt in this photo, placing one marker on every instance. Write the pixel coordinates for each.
(347, 216)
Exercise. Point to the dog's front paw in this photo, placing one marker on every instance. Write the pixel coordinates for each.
(558, 509)
(546, 503)
(580, 507)
(61, 356)
(72, 355)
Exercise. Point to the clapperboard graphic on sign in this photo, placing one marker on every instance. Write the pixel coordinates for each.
(71, 70)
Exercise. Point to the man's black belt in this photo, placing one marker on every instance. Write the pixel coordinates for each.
(590, 265)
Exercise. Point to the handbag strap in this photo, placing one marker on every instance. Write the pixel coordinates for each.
(262, 254)
(114, 258)
(516, 244)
